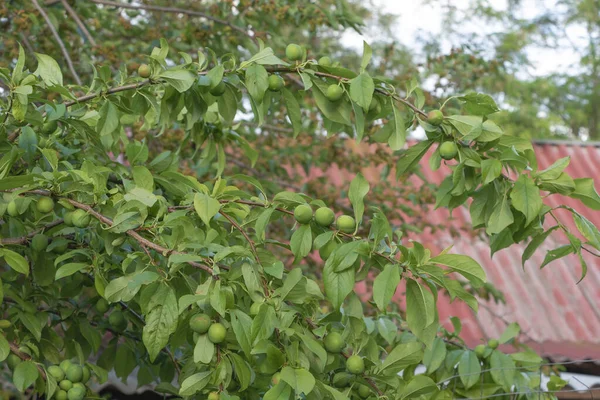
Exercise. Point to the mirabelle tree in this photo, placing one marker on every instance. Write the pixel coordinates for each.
(119, 255)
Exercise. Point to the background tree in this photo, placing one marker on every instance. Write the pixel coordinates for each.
(146, 207)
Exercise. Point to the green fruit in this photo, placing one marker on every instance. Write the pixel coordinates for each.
(435, 117)
(43, 143)
(342, 379)
(200, 323)
(355, 364)
(254, 309)
(204, 81)
(325, 251)
(374, 105)
(64, 365)
(74, 373)
(49, 127)
(68, 218)
(214, 396)
(39, 242)
(4, 324)
(45, 205)
(334, 343)
(80, 385)
(86, 374)
(65, 385)
(346, 224)
(480, 350)
(13, 360)
(448, 150)
(102, 306)
(219, 89)
(325, 61)
(275, 83)
(324, 216)
(61, 247)
(11, 209)
(81, 219)
(334, 92)
(493, 344)
(144, 71)
(216, 333)
(294, 52)
(76, 393)
(56, 372)
(61, 395)
(303, 213)
(364, 391)
(117, 320)
(275, 378)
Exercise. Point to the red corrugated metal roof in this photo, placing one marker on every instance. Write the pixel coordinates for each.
(558, 317)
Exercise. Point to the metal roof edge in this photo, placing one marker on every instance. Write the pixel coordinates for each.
(567, 142)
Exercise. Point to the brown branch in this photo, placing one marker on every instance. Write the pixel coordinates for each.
(25, 239)
(243, 232)
(141, 240)
(59, 40)
(78, 21)
(177, 11)
(117, 89)
(25, 357)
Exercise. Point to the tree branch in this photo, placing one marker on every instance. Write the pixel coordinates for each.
(25, 239)
(177, 11)
(243, 232)
(79, 23)
(25, 357)
(59, 40)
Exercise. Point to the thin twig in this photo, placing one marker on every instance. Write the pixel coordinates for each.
(59, 40)
(243, 232)
(79, 23)
(25, 239)
(25, 357)
(178, 11)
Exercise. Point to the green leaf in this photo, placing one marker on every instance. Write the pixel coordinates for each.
(564, 184)
(420, 307)
(338, 111)
(195, 383)
(479, 104)
(180, 79)
(473, 127)
(526, 198)
(359, 187)
(469, 369)
(586, 192)
(555, 170)
(501, 216)
(15, 261)
(281, 391)
(69, 269)
(204, 350)
(242, 328)
(206, 207)
(4, 348)
(18, 70)
(12, 182)
(264, 324)
(264, 57)
(49, 70)
(301, 241)
(490, 170)
(435, 355)
(589, 231)
(403, 355)
(511, 331)
(315, 347)
(534, 244)
(161, 321)
(555, 254)
(361, 90)
(398, 137)
(337, 284)
(385, 285)
(109, 119)
(293, 108)
(242, 371)
(464, 265)
(412, 156)
(502, 369)
(257, 81)
(25, 374)
(366, 58)
(299, 379)
(418, 386)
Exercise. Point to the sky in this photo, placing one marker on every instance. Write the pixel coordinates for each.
(416, 17)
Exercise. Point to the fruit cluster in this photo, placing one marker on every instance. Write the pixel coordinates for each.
(201, 324)
(71, 379)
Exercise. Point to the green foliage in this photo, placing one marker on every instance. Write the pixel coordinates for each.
(208, 281)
